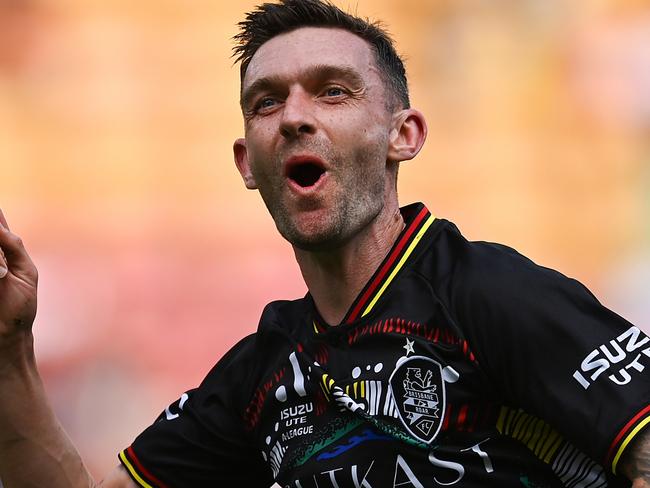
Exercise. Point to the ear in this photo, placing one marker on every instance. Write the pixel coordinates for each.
(407, 136)
(241, 161)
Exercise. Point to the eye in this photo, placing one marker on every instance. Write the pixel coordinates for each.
(334, 91)
(265, 103)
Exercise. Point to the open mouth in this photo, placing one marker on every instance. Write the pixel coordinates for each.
(305, 174)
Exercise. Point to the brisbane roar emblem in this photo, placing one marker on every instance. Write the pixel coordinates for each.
(419, 393)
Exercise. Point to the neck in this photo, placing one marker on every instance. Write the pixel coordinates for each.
(335, 278)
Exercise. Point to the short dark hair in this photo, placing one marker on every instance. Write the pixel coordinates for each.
(271, 19)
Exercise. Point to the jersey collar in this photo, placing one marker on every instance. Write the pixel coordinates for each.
(417, 219)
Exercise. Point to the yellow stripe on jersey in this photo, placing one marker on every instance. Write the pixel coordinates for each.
(627, 440)
(324, 386)
(556, 445)
(408, 252)
(536, 434)
(133, 472)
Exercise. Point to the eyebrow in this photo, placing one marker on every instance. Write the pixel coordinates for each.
(318, 72)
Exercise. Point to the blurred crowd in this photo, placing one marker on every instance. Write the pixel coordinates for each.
(116, 126)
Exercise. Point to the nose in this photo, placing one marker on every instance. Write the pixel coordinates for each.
(298, 117)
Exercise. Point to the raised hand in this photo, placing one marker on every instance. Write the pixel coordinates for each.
(34, 449)
(18, 282)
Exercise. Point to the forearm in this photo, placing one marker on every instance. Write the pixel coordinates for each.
(34, 449)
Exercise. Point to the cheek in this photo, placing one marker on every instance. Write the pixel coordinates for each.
(370, 145)
(263, 175)
(371, 126)
(261, 154)
(261, 135)
(359, 135)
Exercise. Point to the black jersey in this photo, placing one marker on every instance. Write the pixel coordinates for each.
(459, 364)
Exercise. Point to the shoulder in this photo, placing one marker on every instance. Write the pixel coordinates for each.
(476, 259)
(485, 277)
(283, 318)
(480, 264)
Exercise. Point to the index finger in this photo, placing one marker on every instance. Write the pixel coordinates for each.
(3, 221)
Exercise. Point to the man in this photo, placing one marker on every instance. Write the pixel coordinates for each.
(417, 358)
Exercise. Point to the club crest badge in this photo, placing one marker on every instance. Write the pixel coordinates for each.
(419, 393)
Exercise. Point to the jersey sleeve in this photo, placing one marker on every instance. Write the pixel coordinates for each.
(200, 440)
(549, 347)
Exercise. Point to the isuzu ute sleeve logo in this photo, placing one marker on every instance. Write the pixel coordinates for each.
(623, 357)
(419, 392)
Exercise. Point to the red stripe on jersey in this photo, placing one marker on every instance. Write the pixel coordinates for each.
(445, 423)
(143, 470)
(623, 432)
(387, 265)
(462, 416)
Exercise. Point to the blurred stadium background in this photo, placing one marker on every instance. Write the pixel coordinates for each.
(116, 125)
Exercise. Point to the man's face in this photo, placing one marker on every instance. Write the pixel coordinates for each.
(317, 134)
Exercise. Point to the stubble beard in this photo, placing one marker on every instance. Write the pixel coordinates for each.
(357, 200)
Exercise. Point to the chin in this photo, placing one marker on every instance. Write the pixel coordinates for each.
(313, 243)
(315, 246)
(314, 240)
